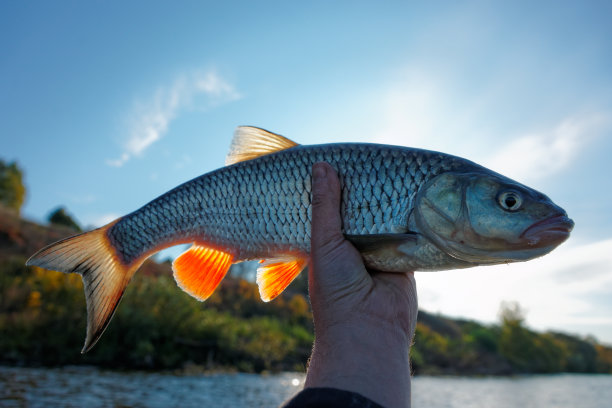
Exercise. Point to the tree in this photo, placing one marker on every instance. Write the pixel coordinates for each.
(528, 351)
(61, 217)
(12, 190)
(511, 313)
(516, 342)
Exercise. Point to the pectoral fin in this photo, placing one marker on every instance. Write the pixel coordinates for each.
(384, 245)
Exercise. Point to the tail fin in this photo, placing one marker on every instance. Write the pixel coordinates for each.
(105, 277)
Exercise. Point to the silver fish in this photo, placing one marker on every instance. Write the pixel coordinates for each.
(404, 209)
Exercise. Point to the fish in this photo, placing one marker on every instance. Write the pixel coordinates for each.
(404, 209)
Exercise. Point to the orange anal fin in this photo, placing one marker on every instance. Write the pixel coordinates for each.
(199, 270)
(275, 275)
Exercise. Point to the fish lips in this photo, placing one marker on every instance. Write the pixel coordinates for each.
(550, 231)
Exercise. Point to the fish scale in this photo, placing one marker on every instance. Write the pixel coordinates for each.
(244, 200)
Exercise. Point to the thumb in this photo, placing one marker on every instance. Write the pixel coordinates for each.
(326, 233)
(337, 270)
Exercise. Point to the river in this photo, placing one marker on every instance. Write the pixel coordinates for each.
(93, 387)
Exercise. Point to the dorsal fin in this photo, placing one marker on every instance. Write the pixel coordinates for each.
(250, 142)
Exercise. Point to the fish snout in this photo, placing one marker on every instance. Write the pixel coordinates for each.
(549, 231)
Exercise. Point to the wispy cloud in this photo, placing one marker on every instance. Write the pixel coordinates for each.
(150, 119)
(422, 110)
(541, 154)
(419, 110)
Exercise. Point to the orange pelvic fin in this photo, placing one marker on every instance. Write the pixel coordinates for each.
(276, 274)
(105, 277)
(199, 270)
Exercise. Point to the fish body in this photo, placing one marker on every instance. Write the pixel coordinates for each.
(260, 208)
(403, 208)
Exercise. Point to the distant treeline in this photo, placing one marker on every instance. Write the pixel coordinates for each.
(447, 346)
(158, 326)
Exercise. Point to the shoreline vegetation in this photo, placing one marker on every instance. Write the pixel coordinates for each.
(158, 326)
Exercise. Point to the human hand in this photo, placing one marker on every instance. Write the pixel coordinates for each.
(364, 320)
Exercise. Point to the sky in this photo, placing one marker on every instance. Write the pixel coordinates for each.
(106, 105)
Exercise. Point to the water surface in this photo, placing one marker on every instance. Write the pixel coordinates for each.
(92, 387)
(558, 391)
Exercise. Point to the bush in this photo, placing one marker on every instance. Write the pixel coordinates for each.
(12, 190)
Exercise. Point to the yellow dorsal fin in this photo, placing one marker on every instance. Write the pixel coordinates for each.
(276, 274)
(199, 270)
(250, 142)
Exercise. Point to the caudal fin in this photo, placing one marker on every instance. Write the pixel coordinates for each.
(104, 276)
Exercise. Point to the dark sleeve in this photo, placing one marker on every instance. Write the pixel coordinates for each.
(329, 397)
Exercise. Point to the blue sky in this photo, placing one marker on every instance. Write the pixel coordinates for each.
(106, 105)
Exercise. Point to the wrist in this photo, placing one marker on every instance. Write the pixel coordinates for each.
(370, 358)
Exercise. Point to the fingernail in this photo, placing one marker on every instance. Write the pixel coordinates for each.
(319, 172)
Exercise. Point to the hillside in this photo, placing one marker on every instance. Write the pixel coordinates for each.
(42, 322)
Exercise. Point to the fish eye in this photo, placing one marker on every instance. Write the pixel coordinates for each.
(510, 200)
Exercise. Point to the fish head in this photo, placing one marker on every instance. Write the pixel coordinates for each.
(482, 217)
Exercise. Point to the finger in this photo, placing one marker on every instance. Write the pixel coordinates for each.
(326, 230)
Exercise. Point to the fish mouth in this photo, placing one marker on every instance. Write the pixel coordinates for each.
(549, 231)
